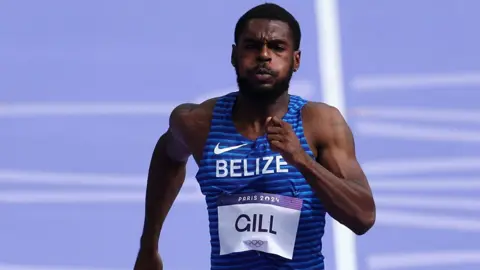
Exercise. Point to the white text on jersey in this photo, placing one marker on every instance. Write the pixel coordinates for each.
(241, 168)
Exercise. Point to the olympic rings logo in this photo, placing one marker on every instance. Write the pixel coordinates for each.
(255, 243)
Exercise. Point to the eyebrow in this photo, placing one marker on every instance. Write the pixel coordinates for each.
(273, 40)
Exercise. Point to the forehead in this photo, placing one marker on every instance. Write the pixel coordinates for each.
(265, 29)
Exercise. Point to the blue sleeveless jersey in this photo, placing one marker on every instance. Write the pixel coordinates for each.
(308, 245)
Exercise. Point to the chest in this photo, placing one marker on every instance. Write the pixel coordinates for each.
(251, 165)
(246, 167)
(243, 160)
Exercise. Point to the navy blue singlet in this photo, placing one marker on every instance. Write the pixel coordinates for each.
(308, 245)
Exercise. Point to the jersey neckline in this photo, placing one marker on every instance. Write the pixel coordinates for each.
(243, 138)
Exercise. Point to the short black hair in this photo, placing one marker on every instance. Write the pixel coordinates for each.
(270, 11)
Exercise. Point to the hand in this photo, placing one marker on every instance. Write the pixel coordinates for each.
(283, 140)
(148, 260)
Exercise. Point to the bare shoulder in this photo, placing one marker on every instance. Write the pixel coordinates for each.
(325, 122)
(188, 116)
(190, 123)
(324, 111)
(333, 139)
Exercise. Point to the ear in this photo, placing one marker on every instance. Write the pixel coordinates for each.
(296, 60)
(233, 56)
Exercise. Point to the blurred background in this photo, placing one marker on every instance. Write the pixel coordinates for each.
(86, 88)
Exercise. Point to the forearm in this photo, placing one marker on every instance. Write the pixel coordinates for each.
(164, 182)
(347, 201)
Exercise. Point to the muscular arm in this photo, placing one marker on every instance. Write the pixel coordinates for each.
(338, 179)
(165, 178)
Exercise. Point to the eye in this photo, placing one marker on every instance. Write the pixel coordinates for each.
(278, 48)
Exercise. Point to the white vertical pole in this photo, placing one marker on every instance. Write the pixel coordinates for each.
(330, 66)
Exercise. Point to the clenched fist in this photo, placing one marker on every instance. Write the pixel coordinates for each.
(283, 140)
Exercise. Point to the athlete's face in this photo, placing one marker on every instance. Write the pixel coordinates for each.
(265, 59)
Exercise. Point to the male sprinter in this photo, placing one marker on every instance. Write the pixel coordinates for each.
(271, 165)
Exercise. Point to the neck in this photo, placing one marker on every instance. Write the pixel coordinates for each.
(250, 111)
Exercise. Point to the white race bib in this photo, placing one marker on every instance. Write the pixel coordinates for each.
(258, 221)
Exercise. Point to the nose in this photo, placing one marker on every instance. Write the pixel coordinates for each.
(264, 54)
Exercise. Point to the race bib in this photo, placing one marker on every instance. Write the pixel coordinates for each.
(258, 221)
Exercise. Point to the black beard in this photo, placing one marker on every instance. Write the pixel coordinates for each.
(264, 96)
